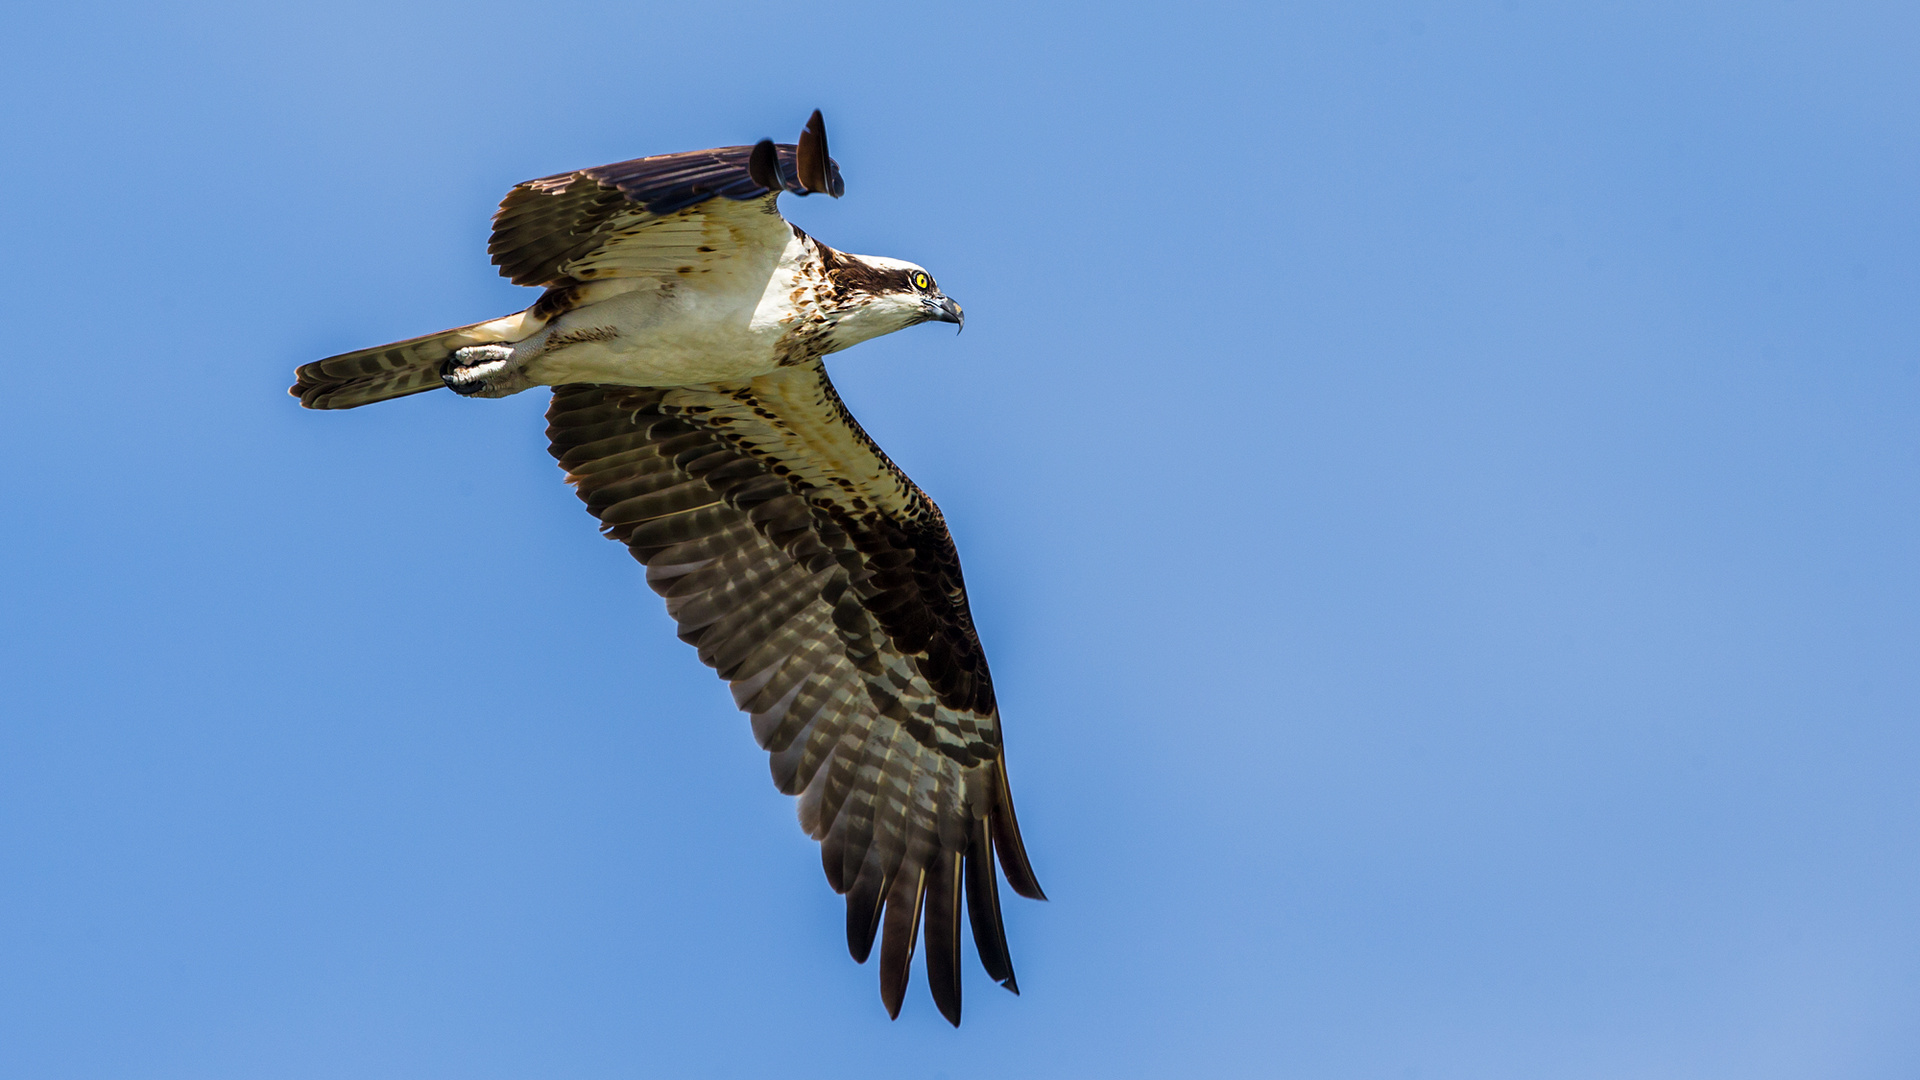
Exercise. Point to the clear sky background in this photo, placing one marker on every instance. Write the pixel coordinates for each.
(1437, 484)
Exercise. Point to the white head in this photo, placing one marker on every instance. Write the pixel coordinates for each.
(875, 295)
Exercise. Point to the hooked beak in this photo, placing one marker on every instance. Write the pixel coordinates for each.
(947, 311)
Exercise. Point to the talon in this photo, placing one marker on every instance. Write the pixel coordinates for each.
(480, 354)
(469, 372)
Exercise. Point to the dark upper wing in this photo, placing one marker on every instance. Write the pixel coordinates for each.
(644, 216)
(823, 585)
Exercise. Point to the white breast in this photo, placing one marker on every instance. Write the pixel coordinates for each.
(722, 324)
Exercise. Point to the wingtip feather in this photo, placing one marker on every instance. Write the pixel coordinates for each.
(943, 933)
(811, 158)
(865, 902)
(763, 165)
(1006, 839)
(983, 906)
(900, 936)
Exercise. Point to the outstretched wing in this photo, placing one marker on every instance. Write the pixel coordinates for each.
(668, 214)
(823, 586)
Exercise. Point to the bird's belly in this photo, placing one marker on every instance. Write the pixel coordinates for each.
(656, 339)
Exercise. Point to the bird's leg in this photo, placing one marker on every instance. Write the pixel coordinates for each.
(483, 371)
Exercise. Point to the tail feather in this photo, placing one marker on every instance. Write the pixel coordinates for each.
(405, 367)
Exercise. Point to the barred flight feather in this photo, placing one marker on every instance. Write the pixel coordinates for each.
(838, 614)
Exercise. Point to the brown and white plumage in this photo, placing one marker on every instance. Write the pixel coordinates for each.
(804, 566)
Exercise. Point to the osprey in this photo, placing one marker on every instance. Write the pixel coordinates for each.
(682, 330)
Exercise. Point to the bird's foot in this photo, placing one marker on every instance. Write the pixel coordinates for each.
(483, 371)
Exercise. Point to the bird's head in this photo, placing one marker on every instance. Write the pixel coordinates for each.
(877, 295)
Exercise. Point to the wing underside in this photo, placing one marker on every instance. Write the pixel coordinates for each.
(844, 635)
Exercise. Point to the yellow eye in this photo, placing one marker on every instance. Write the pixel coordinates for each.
(921, 281)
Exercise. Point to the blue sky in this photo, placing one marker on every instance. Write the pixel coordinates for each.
(1437, 485)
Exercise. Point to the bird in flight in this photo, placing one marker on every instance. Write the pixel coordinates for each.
(682, 329)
